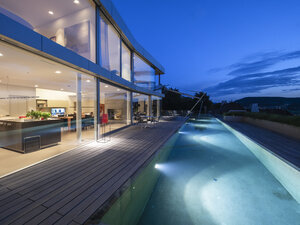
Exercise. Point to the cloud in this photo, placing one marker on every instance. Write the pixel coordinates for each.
(289, 90)
(265, 61)
(257, 82)
(250, 75)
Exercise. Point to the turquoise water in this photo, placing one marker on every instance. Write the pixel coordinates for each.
(211, 177)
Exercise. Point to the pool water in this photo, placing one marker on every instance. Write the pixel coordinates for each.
(211, 177)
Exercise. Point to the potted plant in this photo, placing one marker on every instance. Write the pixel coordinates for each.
(45, 115)
(34, 114)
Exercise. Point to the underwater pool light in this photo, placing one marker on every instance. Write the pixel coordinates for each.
(156, 166)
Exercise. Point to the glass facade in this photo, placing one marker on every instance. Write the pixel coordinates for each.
(156, 106)
(115, 107)
(140, 104)
(126, 62)
(110, 46)
(43, 104)
(144, 75)
(47, 108)
(68, 23)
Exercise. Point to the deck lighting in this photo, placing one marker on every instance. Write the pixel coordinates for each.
(118, 89)
(58, 71)
(61, 89)
(51, 12)
(76, 1)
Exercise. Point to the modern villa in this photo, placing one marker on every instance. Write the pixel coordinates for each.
(83, 139)
(70, 71)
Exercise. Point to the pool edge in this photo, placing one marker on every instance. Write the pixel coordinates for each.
(283, 171)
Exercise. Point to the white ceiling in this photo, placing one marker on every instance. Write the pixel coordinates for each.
(22, 68)
(36, 13)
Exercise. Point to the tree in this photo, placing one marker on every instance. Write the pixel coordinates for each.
(176, 101)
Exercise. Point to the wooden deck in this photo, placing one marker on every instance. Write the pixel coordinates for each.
(69, 188)
(286, 148)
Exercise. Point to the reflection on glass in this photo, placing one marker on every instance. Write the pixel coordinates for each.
(114, 107)
(156, 104)
(110, 47)
(68, 24)
(126, 63)
(144, 75)
(140, 106)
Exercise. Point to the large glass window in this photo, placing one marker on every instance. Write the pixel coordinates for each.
(88, 111)
(140, 106)
(110, 47)
(144, 75)
(126, 63)
(114, 107)
(42, 106)
(156, 106)
(68, 23)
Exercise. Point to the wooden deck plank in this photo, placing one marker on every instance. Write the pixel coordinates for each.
(65, 186)
(27, 217)
(76, 197)
(51, 219)
(96, 203)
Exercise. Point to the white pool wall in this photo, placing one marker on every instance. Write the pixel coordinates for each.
(287, 175)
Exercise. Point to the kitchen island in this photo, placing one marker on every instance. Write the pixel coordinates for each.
(29, 135)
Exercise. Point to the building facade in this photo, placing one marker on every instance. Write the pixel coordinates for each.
(70, 71)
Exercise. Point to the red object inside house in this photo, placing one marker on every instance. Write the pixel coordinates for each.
(104, 118)
(20, 117)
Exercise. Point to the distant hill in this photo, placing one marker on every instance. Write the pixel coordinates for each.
(290, 104)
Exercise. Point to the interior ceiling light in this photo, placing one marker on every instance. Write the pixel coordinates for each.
(106, 86)
(36, 85)
(51, 12)
(57, 71)
(61, 89)
(76, 1)
(118, 89)
(88, 81)
(1, 54)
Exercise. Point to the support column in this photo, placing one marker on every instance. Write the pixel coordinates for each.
(129, 107)
(158, 108)
(78, 107)
(97, 116)
(149, 108)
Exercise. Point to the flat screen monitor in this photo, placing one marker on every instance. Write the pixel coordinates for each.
(58, 111)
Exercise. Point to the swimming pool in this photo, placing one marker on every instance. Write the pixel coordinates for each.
(211, 177)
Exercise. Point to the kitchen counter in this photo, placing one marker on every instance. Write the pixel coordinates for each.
(29, 135)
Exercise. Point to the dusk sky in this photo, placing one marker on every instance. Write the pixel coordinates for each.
(230, 49)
